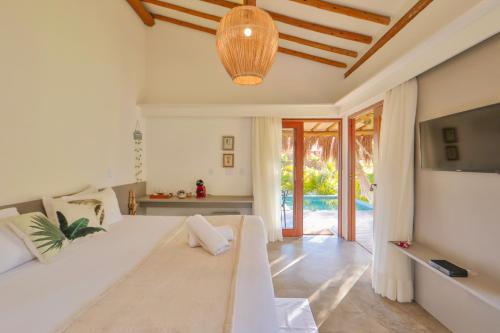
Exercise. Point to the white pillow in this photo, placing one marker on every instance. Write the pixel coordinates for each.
(13, 251)
(112, 212)
(77, 210)
(111, 206)
(49, 206)
(8, 212)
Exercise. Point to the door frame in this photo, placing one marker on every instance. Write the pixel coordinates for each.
(351, 161)
(298, 230)
(298, 178)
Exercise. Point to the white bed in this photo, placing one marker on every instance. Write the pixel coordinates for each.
(41, 298)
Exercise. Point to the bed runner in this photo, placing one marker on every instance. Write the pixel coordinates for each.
(176, 289)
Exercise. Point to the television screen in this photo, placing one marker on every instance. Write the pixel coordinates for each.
(465, 141)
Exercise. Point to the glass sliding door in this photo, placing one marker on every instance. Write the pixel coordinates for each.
(364, 129)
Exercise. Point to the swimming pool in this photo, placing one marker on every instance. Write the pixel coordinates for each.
(325, 202)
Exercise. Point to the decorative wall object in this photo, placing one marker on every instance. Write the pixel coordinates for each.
(228, 160)
(138, 150)
(132, 203)
(247, 41)
(228, 143)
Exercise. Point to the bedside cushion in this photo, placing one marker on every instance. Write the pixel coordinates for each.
(12, 249)
(42, 237)
(48, 203)
(109, 201)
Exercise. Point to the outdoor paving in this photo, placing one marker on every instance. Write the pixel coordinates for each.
(364, 229)
(324, 222)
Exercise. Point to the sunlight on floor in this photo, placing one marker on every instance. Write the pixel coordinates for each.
(277, 261)
(289, 265)
(317, 239)
(346, 286)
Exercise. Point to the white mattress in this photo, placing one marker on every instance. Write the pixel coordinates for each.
(42, 298)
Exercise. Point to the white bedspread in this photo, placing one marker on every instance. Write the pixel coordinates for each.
(42, 298)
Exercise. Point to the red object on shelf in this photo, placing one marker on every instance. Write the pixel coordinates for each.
(201, 191)
(159, 196)
(403, 244)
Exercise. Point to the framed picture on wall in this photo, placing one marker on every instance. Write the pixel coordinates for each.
(228, 143)
(228, 160)
(452, 153)
(450, 135)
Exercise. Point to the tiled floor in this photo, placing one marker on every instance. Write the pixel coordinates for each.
(335, 276)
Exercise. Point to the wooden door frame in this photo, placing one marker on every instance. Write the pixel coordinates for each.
(291, 123)
(298, 179)
(351, 161)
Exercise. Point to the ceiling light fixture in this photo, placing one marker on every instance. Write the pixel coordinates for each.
(247, 41)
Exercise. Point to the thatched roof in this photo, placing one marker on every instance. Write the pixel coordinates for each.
(321, 138)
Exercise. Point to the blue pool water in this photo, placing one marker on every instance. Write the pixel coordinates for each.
(325, 202)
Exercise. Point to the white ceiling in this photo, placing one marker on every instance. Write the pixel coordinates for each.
(392, 8)
(199, 78)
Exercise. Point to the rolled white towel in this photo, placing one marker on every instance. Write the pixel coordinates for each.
(210, 239)
(224, 230)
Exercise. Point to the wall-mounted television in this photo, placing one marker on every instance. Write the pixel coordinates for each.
(466, 141)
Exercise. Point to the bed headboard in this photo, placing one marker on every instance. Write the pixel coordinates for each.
(121, 193)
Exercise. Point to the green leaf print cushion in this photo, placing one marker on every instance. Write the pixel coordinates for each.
(42, 237)
(77, 229)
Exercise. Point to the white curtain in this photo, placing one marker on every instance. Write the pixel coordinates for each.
(392, 270)
(266, 172)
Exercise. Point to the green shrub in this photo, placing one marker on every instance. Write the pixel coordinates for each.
(319, 177)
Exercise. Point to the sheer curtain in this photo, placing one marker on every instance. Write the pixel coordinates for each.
(266, 173)
(392, 271)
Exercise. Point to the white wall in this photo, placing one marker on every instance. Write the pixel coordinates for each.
(71, 74)
(182, 150)
(458, 214)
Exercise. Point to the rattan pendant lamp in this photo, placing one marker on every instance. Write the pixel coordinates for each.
(247, 41)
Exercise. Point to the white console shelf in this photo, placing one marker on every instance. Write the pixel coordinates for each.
(484, 288)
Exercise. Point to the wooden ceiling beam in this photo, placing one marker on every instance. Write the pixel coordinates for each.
(185, 24)
(349, 35)
(280, 49)
(393, 31)
(321, 133)
(223, 3)
(335, 133)
(142, 12)
(331, 127)
(315, 126)
(348, 11)
(283, 36)
(183, 10)
(312, 57)
(317, 45)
